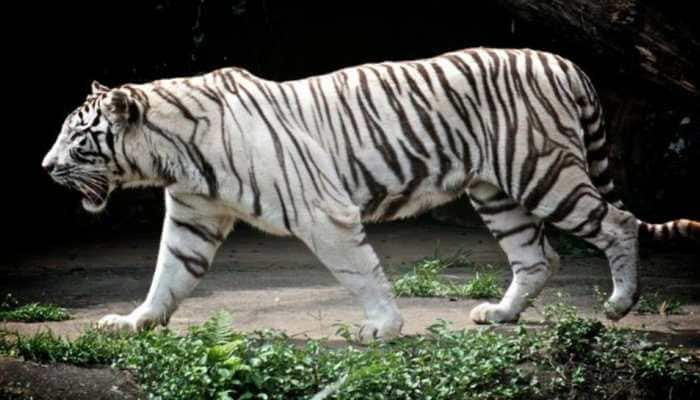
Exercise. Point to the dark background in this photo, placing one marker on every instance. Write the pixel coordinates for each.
(55, 50)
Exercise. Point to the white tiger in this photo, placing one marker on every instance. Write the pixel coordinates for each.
(519, 131)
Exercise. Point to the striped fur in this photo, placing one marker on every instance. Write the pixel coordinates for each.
(519, 131)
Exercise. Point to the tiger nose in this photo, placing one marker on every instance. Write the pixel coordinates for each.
(49, 165)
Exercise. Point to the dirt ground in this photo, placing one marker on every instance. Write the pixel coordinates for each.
(29, 380)
(272, 282)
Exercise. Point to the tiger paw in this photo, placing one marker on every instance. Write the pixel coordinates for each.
(620, 303)
(614, 311)
(488, 313)
(384, 330)
(118, 323)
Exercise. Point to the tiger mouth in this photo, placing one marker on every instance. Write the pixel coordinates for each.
(94, 203)
(95, 190)
(95, 194)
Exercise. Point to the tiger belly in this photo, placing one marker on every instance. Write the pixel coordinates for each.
(403, 201)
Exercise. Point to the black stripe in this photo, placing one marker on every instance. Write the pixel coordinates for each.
(571, 201)
(180, 202)
(285, 217)
(419, 171)
(381, 142)
(429, 127)
(415, 89)
(200, 231)
(273, 133)
(529, 269)
(426, 77)
(402, 116)
(596, 216)
(377, 191)
(546, 182)
(197, 264)
(502, 234)
(459, 106)
(348, 112)
(467, 72)
(364, 86)
(226, 141)
(257, 210)
(302, 189)
(316, 104)
(203, 166)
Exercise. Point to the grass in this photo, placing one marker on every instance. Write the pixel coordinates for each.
(654, 303)
(11, 310)
(570, 245)
(426, 280)
(570, 357)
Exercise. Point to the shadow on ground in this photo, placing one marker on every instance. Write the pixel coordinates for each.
(271, 282)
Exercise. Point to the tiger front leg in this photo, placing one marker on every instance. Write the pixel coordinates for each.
(192, 232)
(340, 244)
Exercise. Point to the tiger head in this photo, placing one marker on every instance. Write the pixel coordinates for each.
(87, 153)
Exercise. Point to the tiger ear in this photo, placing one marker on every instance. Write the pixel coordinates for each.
(121, 108)
(98, 88)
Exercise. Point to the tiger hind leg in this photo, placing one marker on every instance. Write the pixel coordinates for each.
(574, 205)
(521, 236)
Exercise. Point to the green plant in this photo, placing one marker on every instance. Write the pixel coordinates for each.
(571, 357)
(11, 310)
(570, 337)
(582, 351)
(344, 331)
(9, 302)
(91, 348)
(570, 245)
(484, 285)
(654, 303)
(600, 298)
(426, 280)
